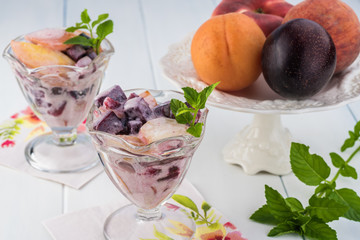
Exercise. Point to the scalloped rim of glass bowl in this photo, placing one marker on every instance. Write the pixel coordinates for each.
(344, 88)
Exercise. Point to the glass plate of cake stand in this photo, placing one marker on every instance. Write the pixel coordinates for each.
(264, 144)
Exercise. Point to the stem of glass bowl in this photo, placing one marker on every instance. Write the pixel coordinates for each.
(149, 214)
(64, 137)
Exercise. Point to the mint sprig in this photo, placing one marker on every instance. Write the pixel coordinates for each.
(103, 28)
(326, 204)
(187, 113)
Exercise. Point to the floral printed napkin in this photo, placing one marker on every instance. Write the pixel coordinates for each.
(15, 134)
(87, 224)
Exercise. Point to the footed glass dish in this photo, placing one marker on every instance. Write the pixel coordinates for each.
(61, 96)
(147, 175)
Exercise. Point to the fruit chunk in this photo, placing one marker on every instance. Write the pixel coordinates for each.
(115, 92)
(108, 122)
(227, 48)
(137, 108)
(299, 59)
(34, 56)
(161, 128)
(52, 38)
(268, 14)
(339, 20)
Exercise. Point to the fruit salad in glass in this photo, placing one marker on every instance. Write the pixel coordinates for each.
(60, 82)
(146, 153)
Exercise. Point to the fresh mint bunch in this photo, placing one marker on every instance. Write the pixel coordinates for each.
(186, 113)
(327, 204)
(102, 30)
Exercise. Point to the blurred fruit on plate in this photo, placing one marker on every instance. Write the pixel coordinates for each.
(298, 59)
(339, 20)
(268, 14)
(227, 48)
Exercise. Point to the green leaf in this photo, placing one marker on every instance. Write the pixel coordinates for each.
(337, 160)
(319, 230)
(191, 96)
(160, 235)
(101, 18)
(195, 130)
(349, 142)
(175, 105)
(282, 228)
(325, 188)
(73, 29)
(205, 206)
(263, 215)
(204, 94)
(349, 198)
(311, 169)
(215, 225)
(105, 29)
(326, 209)
(348, 171)
(277, 205)
(186, 202)
(85, 16)
(294, 204)
(79, 40)
(183, 110)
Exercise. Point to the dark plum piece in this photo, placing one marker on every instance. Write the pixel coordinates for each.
(152, 171)
(132, 95)
(174, 172)
(138, 108)
(83, 62)
(79, 94)
(91, 54)
(114, 92)
(57, 111)
(134, 126)
(76, 52)
(109, 122)
(110, 103)
(163, 110)
(56, 90)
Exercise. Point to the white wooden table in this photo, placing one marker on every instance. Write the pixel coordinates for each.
(143, 31)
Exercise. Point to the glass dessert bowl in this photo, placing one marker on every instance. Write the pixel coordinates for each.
(61, 96)
(146, 174)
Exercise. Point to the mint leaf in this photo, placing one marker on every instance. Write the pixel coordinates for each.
(184, 118)
(263, 215)
(186, 202)
(311, 169)
(204, 95)
(102, 30)
(101, 18)
(349, 198)
(85, 16)
(195, 130)
(281, 229)
(325, 188)
(348, 171)
(294, 204)
(277, 205)
(319, 230)
(191, 96)
(326, 209)
(337, 160)
(184, 110)
(105, 29)
(79, 40)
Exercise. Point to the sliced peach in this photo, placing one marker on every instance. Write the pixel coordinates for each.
(34, 56)
(52, 38)
(149, 98)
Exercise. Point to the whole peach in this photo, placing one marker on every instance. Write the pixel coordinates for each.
(227, 48)
(339, 20)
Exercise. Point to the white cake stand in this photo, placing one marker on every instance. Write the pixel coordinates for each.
(264, 145)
